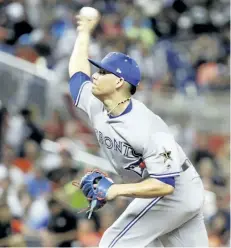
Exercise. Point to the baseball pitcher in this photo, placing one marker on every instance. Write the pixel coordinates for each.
(168, 193)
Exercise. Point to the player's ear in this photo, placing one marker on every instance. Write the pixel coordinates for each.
(119, 82)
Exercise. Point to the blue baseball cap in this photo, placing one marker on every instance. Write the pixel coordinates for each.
(120, 65)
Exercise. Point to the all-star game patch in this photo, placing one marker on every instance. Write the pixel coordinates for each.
(167, 155)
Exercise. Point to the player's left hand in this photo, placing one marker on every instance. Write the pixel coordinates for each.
(95, 186)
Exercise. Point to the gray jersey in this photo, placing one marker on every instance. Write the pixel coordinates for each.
(138, 143)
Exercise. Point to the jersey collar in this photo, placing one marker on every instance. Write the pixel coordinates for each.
(127, 110)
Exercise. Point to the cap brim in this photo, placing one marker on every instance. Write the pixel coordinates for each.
(101, 66)
(97, 64)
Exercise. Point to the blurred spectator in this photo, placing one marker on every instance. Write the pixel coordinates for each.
(74, 138)
(140, 32)
(214, 241)
(61, 231)
(21, 128)
(120, 204)
(3, 126)
(14, 135)
(107, 218)
(209, 173)
(210, 206)
(220, 226)
(201, 150)
(31, 152)
(15, 174)
(67, 171)
(36, 214)
(55, 126)
(9, 193)
(86, 235)
(223, 159)
(37, 184)
(27, 53)
(31, 131)
(111, 26)
(7, 236)
(17, 21)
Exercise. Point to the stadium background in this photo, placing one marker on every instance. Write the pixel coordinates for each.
(183, 49)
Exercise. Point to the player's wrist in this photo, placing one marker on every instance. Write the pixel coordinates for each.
(112, 192)
(84, 34)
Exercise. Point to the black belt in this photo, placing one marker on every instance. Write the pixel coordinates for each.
(186, 165)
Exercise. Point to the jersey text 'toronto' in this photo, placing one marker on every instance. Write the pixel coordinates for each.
(111, 143)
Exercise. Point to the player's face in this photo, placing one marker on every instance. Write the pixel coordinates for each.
(104, 83)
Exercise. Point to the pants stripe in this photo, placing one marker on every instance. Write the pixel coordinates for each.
(132, 223)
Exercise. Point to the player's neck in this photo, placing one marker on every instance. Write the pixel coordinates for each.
(116, 106)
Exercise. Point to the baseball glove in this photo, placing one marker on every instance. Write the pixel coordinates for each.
(94, 186)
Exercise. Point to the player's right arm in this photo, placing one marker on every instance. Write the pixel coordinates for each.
(79, 57)
(79, 66)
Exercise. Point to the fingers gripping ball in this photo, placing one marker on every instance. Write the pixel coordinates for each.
(89, 12)
(94, 186)
(87, 19)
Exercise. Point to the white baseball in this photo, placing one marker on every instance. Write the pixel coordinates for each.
(89, 12)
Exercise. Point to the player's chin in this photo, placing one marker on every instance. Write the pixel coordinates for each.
(95, 91)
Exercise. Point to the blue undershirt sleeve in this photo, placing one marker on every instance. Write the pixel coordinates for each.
(76, 85)
(168, 180)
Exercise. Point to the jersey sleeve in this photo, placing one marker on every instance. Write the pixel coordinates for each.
(161, 156)
(80, 89)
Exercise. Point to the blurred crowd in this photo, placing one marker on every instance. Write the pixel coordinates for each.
(189, 40)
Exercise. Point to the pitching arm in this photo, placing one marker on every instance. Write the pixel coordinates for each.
(79, 66)
(79, 57)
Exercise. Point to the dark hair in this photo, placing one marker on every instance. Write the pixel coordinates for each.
(132, 89)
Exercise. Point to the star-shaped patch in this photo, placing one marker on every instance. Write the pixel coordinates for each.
(166, 154)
